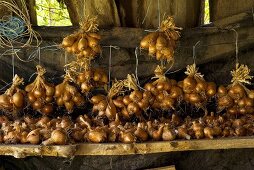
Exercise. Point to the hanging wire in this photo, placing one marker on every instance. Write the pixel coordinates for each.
(194, 52)
(236, 45)
(110, 61)
(136, 69)
(148, 8)
(13, 65)
(159, 13)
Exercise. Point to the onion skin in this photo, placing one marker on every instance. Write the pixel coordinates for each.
(18, 99)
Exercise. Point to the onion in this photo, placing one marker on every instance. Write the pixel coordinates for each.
(225, 101)
(189, 84)
(57, 137)
(67, 96)
(31, 97)
(148, 39)
(195, 98)
(97, 136)
(222, 91)
(82, 44)
(209, 132)
(251, 94)
(119, 103)
(102, 105)
(18, 99)
(176, 92)
(92, 42)
(50, 90)
(126, 100)
(148, 86)
(152, 50)
(96, 99)
(29, 87)
(94, 35)
(211, 89)
(136, 96)
(68, 41)
(168, 134)
(5, 100)
(37, 105)
(38, 93)
(201, 86)
(111, 110)
(133, 108)
(49, 99)
(141, 134)
(33, 137)
(59, 101)
(47, 109)
(127, 137)
(69, 106)
(161, 42)
(236, 91)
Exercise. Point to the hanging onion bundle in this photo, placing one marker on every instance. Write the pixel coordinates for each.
(13, 100)
(166, 91)
(196, 90)
(85, 42)
(67, 95)
(162, 44)
(236, 98)
(40, 93)
(91, 78)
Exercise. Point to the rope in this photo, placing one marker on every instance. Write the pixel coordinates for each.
(12, 27)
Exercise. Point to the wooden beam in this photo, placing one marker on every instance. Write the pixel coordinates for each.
(21, 151)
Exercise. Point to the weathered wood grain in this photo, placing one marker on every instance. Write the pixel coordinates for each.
(21, 151)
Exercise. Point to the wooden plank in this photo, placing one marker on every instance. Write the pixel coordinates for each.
(20, 151)
(224, 8)
(172, 167)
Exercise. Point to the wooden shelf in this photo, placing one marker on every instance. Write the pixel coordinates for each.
(21, 151)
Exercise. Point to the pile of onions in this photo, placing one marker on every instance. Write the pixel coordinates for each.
(40, 93)
(85, 42)
(161, 44)
(13, 100)
(196, 90)
(166, 91)
(236, 98)
(68, 96)
(62, 130)
(91, 78)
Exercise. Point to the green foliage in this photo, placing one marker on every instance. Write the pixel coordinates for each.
(52, 13)
(207, 12)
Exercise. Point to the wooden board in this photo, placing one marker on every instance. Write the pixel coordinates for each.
(172, 167)
(224, 8)
(21, 151)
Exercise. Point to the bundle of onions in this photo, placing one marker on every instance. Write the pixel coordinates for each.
(166, 91)
(13, 100)
(196, 90)
(106, 105)
(134, 103)
(91, 78)
(236, 98)
(85, 42)
(68, 95)
(161, 44)
(40, 93)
